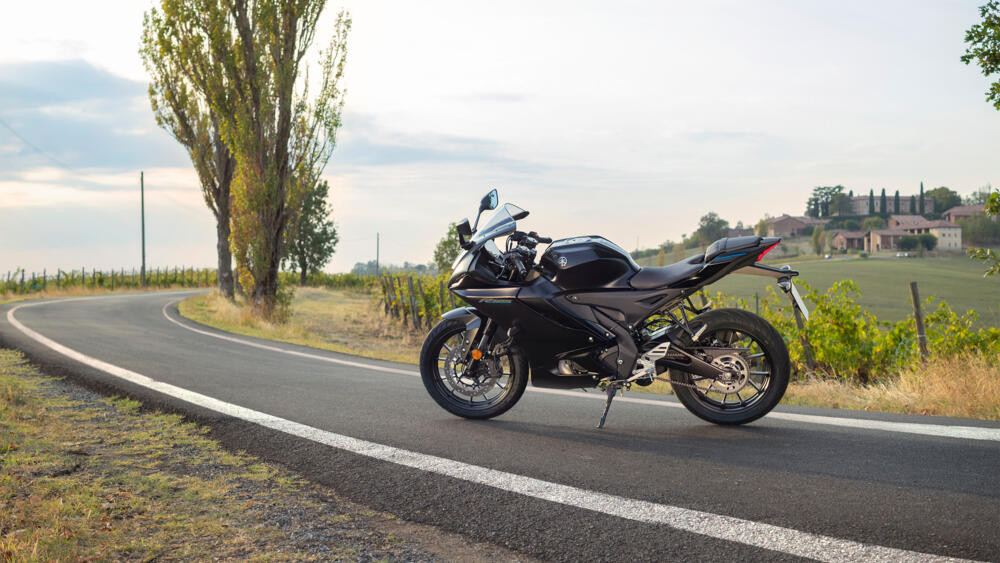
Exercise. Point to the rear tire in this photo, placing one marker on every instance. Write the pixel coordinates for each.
(453, 389)
(742, 329)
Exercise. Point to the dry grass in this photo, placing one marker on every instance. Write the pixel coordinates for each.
(344, 321)
(966, 387)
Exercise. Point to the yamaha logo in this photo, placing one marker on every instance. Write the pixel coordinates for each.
(563, 261)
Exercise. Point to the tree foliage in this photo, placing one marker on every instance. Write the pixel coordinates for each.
(983, 41)
(711, 228)
(179, 94)
(447, 249)
(249, 56)
(309, 246)
(818, 240)
(928, 241)
(909, 242)
(988, 255)
(872, 224)
(821, 202)
(944, 198)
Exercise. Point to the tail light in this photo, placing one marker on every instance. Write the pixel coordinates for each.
(766, 250)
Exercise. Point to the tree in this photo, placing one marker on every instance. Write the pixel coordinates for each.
(944, 198)
(314, 239)
(871, 202)
(761, 228)
(909, 242)
(882, 203)
(987, 255)
(913, 205)
(922, 209)
(983, 41)
(895, 202)
(179, 95)
(711, 228)
(980, 196)
(872, 224)
(819, 203)
(851, 225)
(447, 249)
(249, 54)
(661, 258)
(818, 239)
(928, 241)
(677, 254)
(841, 205)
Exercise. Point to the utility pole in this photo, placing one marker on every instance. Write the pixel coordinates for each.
(142, 220)
(377, 241)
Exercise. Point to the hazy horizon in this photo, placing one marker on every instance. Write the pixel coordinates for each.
(630, 121)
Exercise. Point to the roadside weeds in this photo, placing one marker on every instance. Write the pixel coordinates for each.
(83, 477)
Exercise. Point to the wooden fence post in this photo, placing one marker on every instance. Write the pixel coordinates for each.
(45, 279)
(441, 296)
(919, 317)
(413, 303)
(423, 301)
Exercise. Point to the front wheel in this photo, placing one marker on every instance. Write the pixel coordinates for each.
(756, 362)
(481, 389)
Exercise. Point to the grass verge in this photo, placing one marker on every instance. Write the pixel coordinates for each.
(87, 478)
(347, 321)
(338, 320)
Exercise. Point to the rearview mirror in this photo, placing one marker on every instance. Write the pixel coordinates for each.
(489, 201)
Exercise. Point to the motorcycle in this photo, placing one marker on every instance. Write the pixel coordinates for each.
(586, 315)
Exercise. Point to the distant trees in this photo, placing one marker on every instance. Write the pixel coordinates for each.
(871, 202)
(913, 205)
(312, 241)
(447, 249)
(761, 228)
(822, 200)
(883, 204)
(928, 241)
(909, 242)
(851, 225)
(895, 202)
(989, 256)
(872, 224)
(979, 197)
(711, 228)
(818, 239)
(920, 202)
(944, 198)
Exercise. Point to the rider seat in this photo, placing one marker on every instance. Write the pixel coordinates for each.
(661, 276)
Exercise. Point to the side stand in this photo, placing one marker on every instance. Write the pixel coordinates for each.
(612, 388)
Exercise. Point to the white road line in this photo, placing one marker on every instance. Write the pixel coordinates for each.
(939, 430)
(764, 536)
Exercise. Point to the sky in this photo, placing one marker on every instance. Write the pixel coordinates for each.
(625, 119)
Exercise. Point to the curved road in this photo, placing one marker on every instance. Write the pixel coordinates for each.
(656, 484)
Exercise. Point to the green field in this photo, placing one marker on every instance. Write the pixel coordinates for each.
(884, 284)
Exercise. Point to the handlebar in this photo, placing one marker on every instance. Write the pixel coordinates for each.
(531, 239)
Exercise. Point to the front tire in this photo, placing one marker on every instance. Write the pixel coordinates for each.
(764, 367)
(490, 389)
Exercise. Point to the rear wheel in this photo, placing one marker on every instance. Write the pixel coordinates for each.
(471, 389)
(755, 360)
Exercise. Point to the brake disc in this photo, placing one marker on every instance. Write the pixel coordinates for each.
(471, 382)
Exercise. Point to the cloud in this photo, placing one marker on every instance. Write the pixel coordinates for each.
(82, 116)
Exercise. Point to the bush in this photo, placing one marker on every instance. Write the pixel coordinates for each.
(928, 241)
(909, 242)
(863, 255)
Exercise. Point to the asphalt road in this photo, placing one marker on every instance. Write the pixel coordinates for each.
(656, 484)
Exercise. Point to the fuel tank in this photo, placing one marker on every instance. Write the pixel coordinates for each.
(589, 262)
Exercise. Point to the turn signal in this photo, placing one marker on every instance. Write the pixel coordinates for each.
(477, 354)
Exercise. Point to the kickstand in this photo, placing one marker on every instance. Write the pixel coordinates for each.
(612, 389)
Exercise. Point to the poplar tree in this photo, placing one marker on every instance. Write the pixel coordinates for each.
(250, 54)
(883, 207)
(895, 202)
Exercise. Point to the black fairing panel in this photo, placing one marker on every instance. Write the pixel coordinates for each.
(587, 263)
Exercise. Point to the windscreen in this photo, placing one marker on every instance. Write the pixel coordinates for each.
(500, 224)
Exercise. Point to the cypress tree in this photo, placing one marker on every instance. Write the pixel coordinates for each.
(913, 205)
(883, 208)
(895, 202)
(921, 198)
(871, 202)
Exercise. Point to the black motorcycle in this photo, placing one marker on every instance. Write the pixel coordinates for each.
(586, 315)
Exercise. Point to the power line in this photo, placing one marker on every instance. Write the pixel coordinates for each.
(36, 147)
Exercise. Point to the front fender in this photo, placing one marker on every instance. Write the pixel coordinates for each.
(468, 315)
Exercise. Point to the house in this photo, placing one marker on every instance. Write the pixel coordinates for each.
(859, 204)
(949, 235)
(914, 224)
(788, 226)
(885, 239)
(954, 214)
(848, 240)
